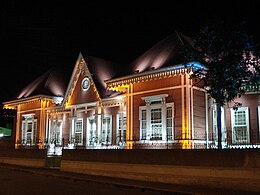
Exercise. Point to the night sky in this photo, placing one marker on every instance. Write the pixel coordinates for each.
(39, 35)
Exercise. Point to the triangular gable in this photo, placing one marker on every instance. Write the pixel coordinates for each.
(76, 93)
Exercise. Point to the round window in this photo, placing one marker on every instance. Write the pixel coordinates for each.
(85, 84)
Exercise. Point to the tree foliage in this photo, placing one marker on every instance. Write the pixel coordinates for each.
(230, 57)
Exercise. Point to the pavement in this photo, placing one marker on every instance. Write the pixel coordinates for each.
(196, 187)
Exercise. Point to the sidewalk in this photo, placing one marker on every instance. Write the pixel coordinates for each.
(217, 187)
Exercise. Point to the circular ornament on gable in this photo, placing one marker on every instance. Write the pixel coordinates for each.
(85, 84)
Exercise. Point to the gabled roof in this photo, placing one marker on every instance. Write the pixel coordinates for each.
(100, 71)
(167, 52)
(51, 83)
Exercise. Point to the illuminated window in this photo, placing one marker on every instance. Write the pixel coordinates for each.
(156, 119)
(156, 124)
(79, 132)
(169, 123)
(55, 132)
(106, 135)
(143, 124)
(29, 127)
(91, 132)
(121, 129)
(240, 125)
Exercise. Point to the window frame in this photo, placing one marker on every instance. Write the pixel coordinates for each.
(164, 121)
(24, 129)
(247, 140)
(122, 129)
(75, 129)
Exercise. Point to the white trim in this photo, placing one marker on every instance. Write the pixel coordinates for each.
(107, 136)
(148, 109)
(154, 98)
(53, 129)
(83, 84)
(81, 131)
(33, 131)
(94, 138)
(122, 129)
(28, 115)
(247, 124)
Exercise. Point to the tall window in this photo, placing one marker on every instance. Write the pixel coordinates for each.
(156, 119)
(156, 124)
(121, 128)
(55, 131)
(240, 125)
(106, 136)
(169, 124)
(91, 132)
(29, 126)
(143, 124)
(79, 132)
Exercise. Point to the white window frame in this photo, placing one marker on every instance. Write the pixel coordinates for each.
(80, 132)
(53, 129)
(94, 138)
(122, 128)
(106, 129)
(233, 125)
(164, 120)
(25, 128)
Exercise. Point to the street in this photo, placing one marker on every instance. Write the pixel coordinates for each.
(26, 181)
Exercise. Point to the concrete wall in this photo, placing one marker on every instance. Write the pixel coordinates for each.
(24, 157)
(165, 165)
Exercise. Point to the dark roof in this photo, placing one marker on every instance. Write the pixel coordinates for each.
(100, 71)
(168, 52)
(51, 83)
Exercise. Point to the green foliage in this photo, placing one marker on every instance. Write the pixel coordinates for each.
(230, 57)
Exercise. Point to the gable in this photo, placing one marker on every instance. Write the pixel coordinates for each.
(75, 94)
(82, 95)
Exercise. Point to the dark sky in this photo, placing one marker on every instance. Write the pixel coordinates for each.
(39, 35)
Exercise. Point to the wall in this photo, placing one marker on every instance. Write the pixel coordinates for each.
(79, 96)
(252, 101)
(166, 165)
(23, 157)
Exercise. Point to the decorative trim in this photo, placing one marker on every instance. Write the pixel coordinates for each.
(121, 85)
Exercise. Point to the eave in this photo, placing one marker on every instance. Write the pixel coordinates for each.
(12, 104)
(120, 83)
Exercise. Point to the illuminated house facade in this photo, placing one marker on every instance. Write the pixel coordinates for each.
(150, 103)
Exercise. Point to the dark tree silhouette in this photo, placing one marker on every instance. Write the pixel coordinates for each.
(231, 63)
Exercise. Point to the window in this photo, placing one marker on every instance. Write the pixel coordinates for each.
(169, 124)
(79, 132)
(240, 125)
(55, 131)
(106, 130)
(91, 132)
(156, 119)
(156, 124)
(121, 129)
(29, 126)
(143, 124)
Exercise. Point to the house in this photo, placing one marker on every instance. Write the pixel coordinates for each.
(150, 103)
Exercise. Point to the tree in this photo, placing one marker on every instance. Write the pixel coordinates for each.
(231, 62)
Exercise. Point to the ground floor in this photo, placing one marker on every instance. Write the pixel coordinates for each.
(156, 125)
